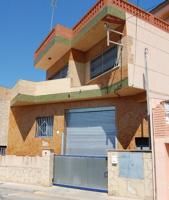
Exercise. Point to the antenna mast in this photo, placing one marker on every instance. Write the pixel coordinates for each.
(53, 5)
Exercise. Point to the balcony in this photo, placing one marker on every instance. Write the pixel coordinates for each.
(37, 93)
(85, 34)
(89, 30)
(31, 93)
(56, 44)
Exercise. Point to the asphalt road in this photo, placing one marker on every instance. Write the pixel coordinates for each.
(17, 194)
(13, 191)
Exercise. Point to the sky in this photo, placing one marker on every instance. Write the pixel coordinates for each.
(23, 26)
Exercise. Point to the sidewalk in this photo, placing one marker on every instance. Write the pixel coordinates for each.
(55, 192)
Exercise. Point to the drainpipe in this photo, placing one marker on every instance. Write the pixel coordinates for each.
(150, 125)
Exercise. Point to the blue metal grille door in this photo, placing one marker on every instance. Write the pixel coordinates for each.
(91, 131)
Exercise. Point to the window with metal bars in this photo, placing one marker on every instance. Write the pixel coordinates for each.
(44, 126)
(104, 62)
(61, 73)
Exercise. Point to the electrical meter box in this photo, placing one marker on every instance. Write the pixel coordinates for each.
(114, 160)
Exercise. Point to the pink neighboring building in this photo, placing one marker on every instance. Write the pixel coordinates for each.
(161, 140)
(161, 126)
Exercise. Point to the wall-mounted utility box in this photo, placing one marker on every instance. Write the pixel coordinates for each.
(114, 160)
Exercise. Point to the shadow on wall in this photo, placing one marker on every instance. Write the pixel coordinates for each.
(131, 121)
(24, 121)
(167, 148)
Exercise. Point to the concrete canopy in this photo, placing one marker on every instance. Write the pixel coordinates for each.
(62, 39)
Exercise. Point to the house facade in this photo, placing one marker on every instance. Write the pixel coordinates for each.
(82, 71)
(94, 97)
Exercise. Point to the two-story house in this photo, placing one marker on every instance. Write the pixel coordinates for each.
(94, 97)
(94, 94)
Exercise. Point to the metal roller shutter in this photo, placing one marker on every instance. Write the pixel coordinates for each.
(91, 131)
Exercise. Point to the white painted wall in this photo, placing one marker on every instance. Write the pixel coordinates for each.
(143, 35)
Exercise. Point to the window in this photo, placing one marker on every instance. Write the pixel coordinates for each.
(44, 126)
(104, 62)
(166, 106)
(2, 150)
(61, 73)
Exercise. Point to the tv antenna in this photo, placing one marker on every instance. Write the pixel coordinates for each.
(53, 5)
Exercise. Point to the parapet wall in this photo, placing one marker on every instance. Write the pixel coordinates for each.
(41, 88)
